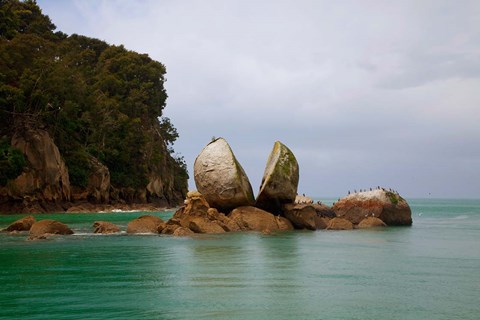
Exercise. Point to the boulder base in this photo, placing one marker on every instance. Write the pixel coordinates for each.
(302, 216)
(251, 218)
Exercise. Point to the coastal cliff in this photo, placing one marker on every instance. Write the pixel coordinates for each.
(81, 121)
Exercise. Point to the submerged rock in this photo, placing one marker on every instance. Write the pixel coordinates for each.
(44, 228)
(280, 179)
(23, 224)
(146, 224)
(388, 206)
(252, 218)
(220, 178)
(105, 227)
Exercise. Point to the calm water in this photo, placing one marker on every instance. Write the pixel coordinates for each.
(428, 271)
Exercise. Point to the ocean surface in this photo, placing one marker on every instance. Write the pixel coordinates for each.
(428, 271)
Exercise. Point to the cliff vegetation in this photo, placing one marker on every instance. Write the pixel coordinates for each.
(102, 107)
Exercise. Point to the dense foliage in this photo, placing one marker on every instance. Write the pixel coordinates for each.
(95, 99)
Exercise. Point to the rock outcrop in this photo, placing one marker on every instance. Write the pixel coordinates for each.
(23, 224)
(255, 219)
(388, 206)
(146, 224)
(43, 228)
(280, 180)
(339, 224)
(44, 182)
(220, 177)
(105, 227)
(371, 222)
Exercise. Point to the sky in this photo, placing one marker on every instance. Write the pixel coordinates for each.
(365, 93)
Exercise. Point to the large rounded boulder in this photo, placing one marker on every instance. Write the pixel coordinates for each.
(280, 179)
(220, 178)
(385, 205)
(146, 224)
(44, 228)
(23, 224)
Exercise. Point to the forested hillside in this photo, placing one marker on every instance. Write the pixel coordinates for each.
(101, 105)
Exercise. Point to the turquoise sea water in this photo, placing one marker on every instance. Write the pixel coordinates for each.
(428, 271)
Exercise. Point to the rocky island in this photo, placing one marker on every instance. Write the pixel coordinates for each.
(232, 207)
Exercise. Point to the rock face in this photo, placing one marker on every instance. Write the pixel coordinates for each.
(220, 178)
(23, 224)
(251, 218)
(280, 179)
(389, 207)
(339, 224)
(302, 216)
(371, 222)
(105, 227)
(146, 224)
(43, 228)
(98, 186)
(45, 178)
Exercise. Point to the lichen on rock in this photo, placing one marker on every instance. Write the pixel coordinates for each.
(280, 179)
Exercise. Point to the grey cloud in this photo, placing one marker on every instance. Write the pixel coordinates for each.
(365, 93)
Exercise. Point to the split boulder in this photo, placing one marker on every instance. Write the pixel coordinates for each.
(280, 180)
(220, 178)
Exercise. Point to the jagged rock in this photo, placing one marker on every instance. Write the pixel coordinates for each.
(371, 222)
(23, 224)
(197, 207)
(45, 178)
(388, 206)
(146, 224)
(105, 227)
(323, 210)
(302, 216)
(204, 225)
(44, 228)
(252, 218)
(280, 180)
(339, 224)
(220, 178)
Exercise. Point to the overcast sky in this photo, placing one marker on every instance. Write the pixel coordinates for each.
(364, 93)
